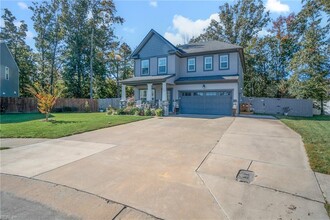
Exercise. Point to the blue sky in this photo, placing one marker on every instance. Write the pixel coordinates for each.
(176, 20)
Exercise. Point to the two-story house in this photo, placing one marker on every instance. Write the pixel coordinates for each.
(9, 73)
(201, 78)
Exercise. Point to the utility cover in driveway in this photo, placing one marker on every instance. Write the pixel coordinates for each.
(245, 176)
(206, 102)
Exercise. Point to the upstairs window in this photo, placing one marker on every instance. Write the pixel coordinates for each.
(224, 62)
(6, 73)
(191, 63)
(208, 63)
(162, 65)
(145, 67)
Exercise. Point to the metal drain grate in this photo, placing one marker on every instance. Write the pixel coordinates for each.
(245, 176)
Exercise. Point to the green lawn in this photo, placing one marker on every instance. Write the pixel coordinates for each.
(62, 124)
(315, 132)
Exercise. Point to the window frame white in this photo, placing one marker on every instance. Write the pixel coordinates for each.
(206, 63)
(158, 65)
(221, 61)
(142, 61)
(188, 64)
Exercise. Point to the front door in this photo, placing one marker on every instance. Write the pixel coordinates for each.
(169, 99)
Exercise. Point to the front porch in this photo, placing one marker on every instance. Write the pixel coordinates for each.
(155, 91)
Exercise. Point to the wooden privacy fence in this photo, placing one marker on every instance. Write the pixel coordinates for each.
(29, 105)
(293, 107)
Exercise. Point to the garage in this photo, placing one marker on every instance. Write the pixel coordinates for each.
(206, 102)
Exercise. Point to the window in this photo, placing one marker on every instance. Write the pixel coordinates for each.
(143, 94)
(211, 93)
(224, 62)
(162, 67)
(191, 63)
(145, 67)
(208, 63)
(197, 93)
(6, 73)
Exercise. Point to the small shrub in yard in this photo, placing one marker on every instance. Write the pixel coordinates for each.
(111, 111)
(121, 111)
(87, 107)
(147, 112)
(159, 112)
(153, 112)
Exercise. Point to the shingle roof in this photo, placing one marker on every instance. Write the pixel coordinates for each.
(207, 46)
(198, 79)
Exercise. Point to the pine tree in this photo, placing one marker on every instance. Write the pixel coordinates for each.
(311, 64)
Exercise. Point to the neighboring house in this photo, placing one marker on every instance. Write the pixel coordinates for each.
(9, 73)
(198, 78)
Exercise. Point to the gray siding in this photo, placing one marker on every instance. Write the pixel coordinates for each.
(8, 88)
(154, 47)
(298, 107)
(233, 66)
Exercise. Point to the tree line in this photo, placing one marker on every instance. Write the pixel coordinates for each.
(292, 59)
(72, 39)
(76, 37)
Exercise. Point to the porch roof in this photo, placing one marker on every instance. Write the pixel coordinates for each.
(142, 80)
(207, 79)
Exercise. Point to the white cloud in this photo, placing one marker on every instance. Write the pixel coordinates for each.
(263, 32)
(129, 30)
(29, 35)
(183, 29)
(22, 5)
(17, 23)
(153, 3)
(277, 6)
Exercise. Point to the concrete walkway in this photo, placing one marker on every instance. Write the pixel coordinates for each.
(284, 186)
(174, 168)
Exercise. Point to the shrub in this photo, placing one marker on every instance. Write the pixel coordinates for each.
(130, 102)
(121, 111)
(69, 109)
(111, 111)
(87, 107)
(147, 112)
(159, 112)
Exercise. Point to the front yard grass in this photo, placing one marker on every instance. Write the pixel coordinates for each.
(61, 124)
(315, 132)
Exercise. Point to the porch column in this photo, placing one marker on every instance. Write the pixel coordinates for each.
(164, 92)
(123, 92)
(149, 92)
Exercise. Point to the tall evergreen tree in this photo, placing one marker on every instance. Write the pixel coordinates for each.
(49, 39)
(15, 37)
(311, 64)
(80, 19)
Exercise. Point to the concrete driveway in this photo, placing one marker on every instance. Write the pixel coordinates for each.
(172, 168)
